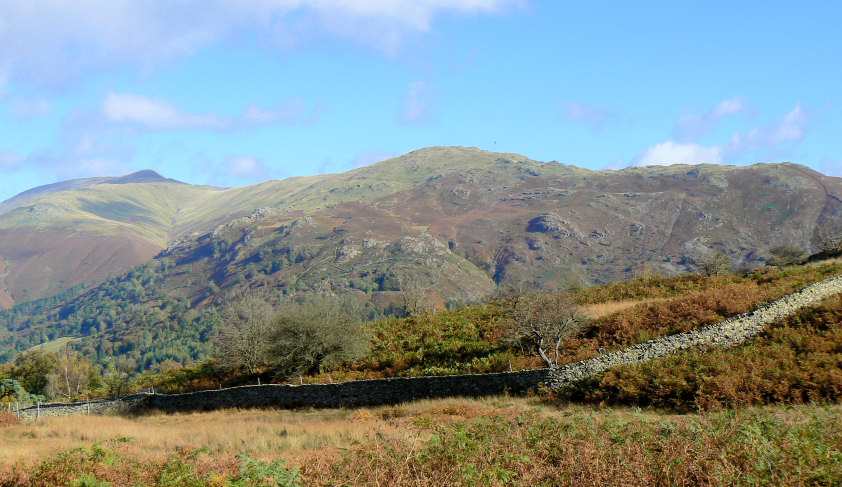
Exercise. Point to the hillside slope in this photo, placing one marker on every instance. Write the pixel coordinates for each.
(454, 222)
(88, 229)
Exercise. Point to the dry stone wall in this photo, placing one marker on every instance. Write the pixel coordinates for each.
(732, 331)
(343, 394)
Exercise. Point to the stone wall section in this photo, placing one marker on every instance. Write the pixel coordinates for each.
(344, 394)
(729, 332)
(733, 331)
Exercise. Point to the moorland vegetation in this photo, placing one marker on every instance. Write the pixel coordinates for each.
(765, 412)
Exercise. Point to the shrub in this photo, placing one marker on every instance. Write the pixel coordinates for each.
(786, 255)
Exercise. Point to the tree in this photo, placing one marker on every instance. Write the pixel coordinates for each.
(828, 238)
(243, 340)
(541, 321)
(786, 254)
(714, 263)
(11, 389)
(317, 333)
(116, 381)
(414, 297)
(71, 376)
(32, 369)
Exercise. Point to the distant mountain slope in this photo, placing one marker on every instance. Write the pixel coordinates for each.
(90, 228)
(451, 224)
(456, 219)
(30, 195)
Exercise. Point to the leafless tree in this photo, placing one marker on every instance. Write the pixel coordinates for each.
(415, 297)
(243, 340)
(541, 321)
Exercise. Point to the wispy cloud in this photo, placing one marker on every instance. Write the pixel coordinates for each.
(416, 103)
(232, 170)
(87, 146)
(791, 128)
(157, 114)
(51, 43)
(245, 167)
(831, 167)
(692, 125)
(767, 140)
(671, 152)
(593, 117)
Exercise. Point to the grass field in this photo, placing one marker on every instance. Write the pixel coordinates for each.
(54, 346)
(493, 441)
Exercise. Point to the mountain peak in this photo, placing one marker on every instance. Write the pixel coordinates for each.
(144, 176)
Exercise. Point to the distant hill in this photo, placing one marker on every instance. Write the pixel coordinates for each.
(454, 223)
(503, 218)
(79, 232)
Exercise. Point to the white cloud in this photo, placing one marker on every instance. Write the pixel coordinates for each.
(49, 43)
(758, 142)
(369, 157)
(594, 117)
(670, 152)
(246, 167)
(692, 125)
(416, 103)
(233, 170)
(790, 128)
(156, 114)
(87, 146)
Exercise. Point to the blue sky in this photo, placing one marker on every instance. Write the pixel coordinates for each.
(232, 92)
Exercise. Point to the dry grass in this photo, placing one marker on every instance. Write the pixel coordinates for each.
(605, 308)
(490, 441)
(263, 434)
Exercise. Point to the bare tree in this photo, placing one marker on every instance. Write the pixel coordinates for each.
(541, 321)
(416, 298)
(243, 340)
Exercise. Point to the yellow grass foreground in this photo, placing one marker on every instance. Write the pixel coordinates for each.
(491, 441)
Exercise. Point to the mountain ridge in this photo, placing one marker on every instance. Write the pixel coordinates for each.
(442, 192)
